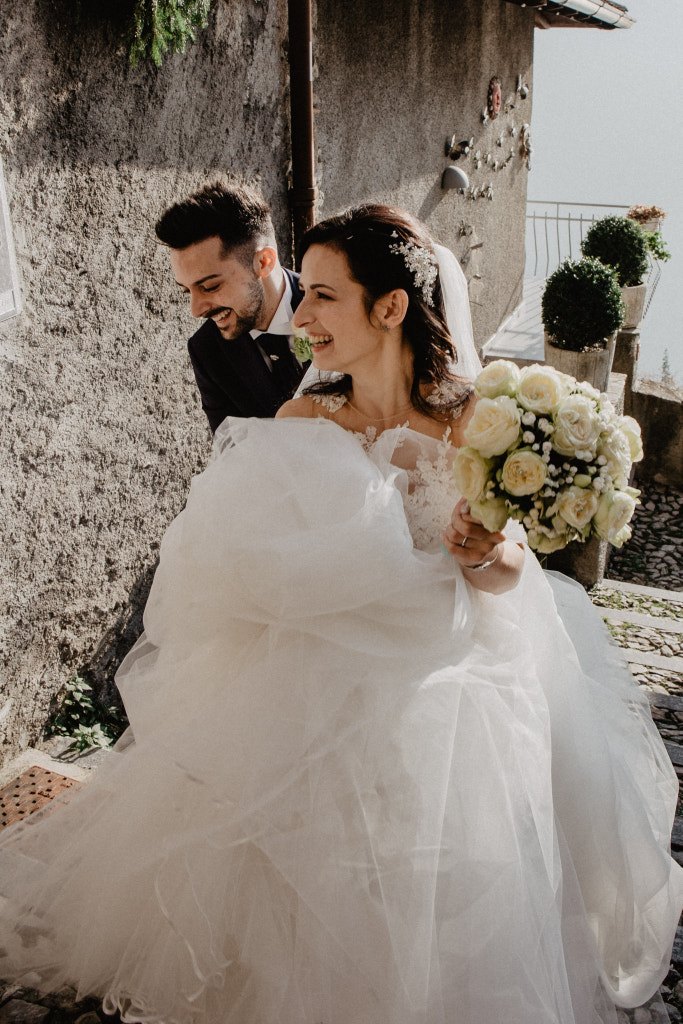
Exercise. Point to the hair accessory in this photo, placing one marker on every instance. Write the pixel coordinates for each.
(422, 264)
(483, 565)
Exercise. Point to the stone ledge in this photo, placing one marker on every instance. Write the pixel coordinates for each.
(659, 661)
(639, 619)
(31, 758)
(656, 593)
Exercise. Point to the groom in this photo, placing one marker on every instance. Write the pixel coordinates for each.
(224, 257)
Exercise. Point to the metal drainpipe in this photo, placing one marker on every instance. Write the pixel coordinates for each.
(303, 193)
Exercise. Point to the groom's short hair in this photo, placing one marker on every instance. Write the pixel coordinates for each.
(237, 214)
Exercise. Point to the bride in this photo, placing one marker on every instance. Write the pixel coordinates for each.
(385, 770)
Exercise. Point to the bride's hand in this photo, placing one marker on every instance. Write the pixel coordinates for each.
(467, 540)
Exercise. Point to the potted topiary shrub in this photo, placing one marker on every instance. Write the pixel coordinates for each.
(582, 309)
(621, 243)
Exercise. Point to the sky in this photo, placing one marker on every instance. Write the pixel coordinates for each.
(607, 127)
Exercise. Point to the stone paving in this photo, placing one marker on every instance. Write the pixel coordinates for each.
(648, 626)
(653, 555)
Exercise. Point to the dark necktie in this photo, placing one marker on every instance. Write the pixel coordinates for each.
(286, 371)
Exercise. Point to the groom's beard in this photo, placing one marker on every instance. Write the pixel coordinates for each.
(244, 319)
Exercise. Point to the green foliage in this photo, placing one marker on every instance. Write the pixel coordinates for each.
(658, 246)
(85, 719)
(582, 305)
(165, 25)
(621, 244)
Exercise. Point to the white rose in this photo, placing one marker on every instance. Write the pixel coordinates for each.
(577, 506)
(577, 426)
(471, 471)
(587, 389)
(621, 537)
(498, 378)
(631, 430)
(615, 509)
(614, 447)
(524, 472)
(492, 513)
(545, 545)
(494, 426)
(540, 388)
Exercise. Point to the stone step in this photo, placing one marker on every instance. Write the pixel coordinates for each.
(677, 833)
(655, 593)
(639, 619)
(650, 660)
(31, 757)
(677, 953)
(675, 753)
(666, 701)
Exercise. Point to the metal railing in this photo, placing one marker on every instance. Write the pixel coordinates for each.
(554, 232)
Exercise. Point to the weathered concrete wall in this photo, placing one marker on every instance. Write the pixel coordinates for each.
(393, 83)
(658, 408)
(101, 426)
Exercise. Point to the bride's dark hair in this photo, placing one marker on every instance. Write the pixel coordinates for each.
(365, 235)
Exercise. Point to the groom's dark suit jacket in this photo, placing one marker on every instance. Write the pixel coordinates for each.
(232, 376)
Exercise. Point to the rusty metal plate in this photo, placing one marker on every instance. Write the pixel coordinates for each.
(32, 790)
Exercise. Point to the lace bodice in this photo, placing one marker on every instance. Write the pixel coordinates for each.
(432, 493)
(428, 488)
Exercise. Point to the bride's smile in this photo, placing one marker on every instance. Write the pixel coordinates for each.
(335, 313)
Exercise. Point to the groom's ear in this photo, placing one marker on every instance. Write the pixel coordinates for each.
(265, 260)
(390, 309)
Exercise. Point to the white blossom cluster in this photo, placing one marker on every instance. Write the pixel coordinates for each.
(550, 452)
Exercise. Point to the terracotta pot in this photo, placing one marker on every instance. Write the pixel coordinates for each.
(634, 299)
(593, 366)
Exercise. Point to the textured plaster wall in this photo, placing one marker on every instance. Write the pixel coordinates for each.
(101, 427)
(659, 410)
(393, 83)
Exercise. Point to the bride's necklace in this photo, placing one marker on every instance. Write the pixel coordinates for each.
(397, 414)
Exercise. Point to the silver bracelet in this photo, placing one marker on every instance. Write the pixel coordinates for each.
(483, 565)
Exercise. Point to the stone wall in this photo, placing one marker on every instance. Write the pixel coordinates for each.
(658, 408)
(392, 88)
(101, 425)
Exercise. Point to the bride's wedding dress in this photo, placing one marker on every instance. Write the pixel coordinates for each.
(360, 792)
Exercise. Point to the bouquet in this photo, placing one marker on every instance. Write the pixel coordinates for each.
(550, 452)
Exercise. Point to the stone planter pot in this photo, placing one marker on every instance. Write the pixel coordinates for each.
(634, 300)
(593, 366)
(654, 224)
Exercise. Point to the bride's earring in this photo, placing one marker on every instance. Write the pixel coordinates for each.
(384, 327)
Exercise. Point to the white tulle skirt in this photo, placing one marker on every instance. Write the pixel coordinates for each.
(360, 792)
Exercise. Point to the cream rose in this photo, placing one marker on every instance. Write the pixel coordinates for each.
(471, 471)
(500, 377)
(524, 472)
(621, 537)
(494, 426)
(540, 388)
(545, 545)
(614, 447)
(577, 426)
(492, 513)
(577, 506)
(630, 428)
(615, 509)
